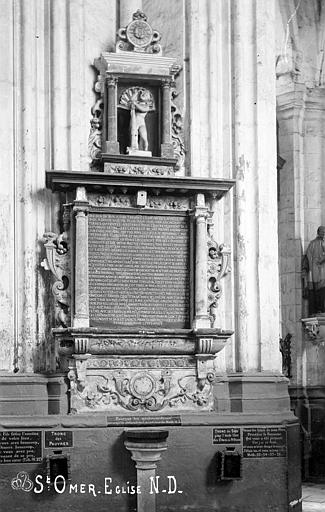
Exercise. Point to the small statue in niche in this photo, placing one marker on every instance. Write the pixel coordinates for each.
(313, 273)
(139, 102)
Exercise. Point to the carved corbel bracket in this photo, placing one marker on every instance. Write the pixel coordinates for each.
(78, 372)
(314, 328)
(206, 350)
(81, 345)
(204, 369)
(58, 262)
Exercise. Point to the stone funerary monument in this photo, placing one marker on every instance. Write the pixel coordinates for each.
(156, 399)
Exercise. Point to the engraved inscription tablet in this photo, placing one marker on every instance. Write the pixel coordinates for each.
(260, 442)
(144, 420)
(138, 269)
(20, 447)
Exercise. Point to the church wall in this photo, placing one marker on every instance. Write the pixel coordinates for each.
(47, 95)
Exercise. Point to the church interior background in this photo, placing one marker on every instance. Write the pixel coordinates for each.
(162, 330)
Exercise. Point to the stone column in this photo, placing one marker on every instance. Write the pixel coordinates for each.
(81, 305)
(166, 84)
(256, 292)
(166, 146)
(291, 106)
(146, 448)
(112, 146)
(201, 317)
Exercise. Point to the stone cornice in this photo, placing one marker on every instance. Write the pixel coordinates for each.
(70, 180)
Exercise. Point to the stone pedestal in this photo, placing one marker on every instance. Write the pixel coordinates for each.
(146, 448)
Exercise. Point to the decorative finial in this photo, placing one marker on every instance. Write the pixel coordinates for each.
(138, 36)
(139, 15)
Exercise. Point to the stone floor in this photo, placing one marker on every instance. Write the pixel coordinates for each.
(313, 497)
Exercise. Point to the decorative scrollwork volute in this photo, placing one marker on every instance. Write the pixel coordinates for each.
(95, 135)
(58, 262)
(218, 267)
(177, 133)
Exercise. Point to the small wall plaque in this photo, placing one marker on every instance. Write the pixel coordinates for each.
(227, 435)
(58, 439)
(260, 442)
(144, 420)
(20, 447)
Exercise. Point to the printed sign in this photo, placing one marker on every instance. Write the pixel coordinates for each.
(144, 420)
(58, 439)
(262, 442)
(226, 435)
(22, 447)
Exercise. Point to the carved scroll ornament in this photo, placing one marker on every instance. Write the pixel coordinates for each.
(177, 133)
(218, 267)
(58, 262)
(95, 135)
(139, 391)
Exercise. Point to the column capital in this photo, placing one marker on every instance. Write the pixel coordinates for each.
(166, 83)
(111, 80)
(80, 208)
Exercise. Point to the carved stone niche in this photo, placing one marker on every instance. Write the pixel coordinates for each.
(145, 281)
(135, 120)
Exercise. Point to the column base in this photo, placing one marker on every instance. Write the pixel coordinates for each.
(112, 148)
(201, 322)
(167, 150)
